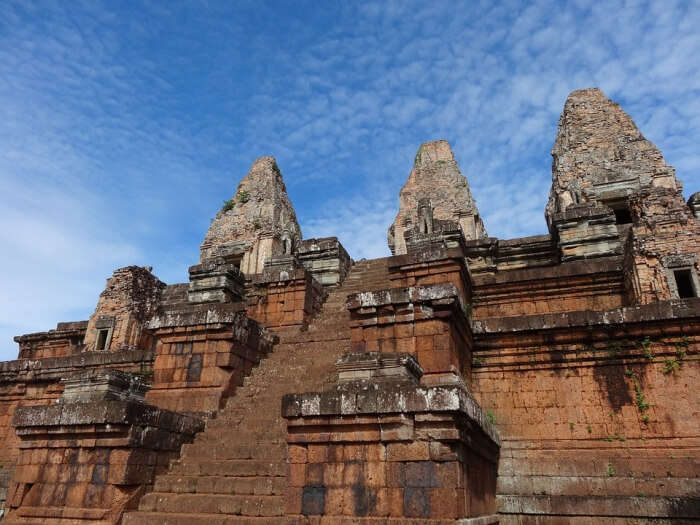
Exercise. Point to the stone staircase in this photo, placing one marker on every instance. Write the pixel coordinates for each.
(235, 471)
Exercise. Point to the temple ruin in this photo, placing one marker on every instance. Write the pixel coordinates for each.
(464, 380)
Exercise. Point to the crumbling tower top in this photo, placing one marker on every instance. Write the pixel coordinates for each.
(256, 223)
(600, 157)
(435, 177)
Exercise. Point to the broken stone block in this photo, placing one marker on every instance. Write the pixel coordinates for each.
(128, 301)
(326, 259)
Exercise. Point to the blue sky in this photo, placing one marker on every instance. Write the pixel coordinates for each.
(124, 125)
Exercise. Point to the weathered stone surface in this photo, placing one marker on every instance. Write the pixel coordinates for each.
(381, 433)
(215, 280)
(260, 223)
(65, 340)
(105, 449)
(326, 259)
(128, 301)
(436, 177)
(600, 157)
(694, 204)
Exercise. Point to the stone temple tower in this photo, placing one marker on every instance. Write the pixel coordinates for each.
(601, 158)
(437, 183)
(257, 223)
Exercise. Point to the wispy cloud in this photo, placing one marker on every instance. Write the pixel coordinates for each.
(123, 129)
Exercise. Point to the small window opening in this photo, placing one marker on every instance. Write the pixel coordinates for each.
(622, 216)
(101, 339)
(684, 283)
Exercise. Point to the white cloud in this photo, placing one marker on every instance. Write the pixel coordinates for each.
(117, 141)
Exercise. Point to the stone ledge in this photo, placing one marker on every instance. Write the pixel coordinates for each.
(661, 311)
(106, 412)
(599, 506)
(205, 314)
(365, 398)
(493, 519)
(411, 294)
(49, 365)
(568, 269)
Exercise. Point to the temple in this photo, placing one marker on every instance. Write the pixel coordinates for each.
(464, 380)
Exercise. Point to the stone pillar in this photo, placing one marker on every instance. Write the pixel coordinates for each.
(429, 322)
(91, 456)
(378, 445)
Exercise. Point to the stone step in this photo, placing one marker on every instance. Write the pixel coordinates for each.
(206, 466)
(236, 450)
(152, 518)
(256, 423)
(245, 505)
(235, 471)
(251, 485)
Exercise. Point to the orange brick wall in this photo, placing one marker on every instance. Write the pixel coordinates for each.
(448, 267)
(285, 303)
(198, 367)
(27, 385)
(569, 287)
(600, 418)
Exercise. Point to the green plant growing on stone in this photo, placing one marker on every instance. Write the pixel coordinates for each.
(276, 169)
(642, 405)
(490, 417)
(571, 425)
(646, 348)
(257, 224)
(628, 372)
(589, 428)
(671, 366)
(478, 361)
(243, 196)
(228, 206)
(611, 469)
(416, 160)
(645, 420)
